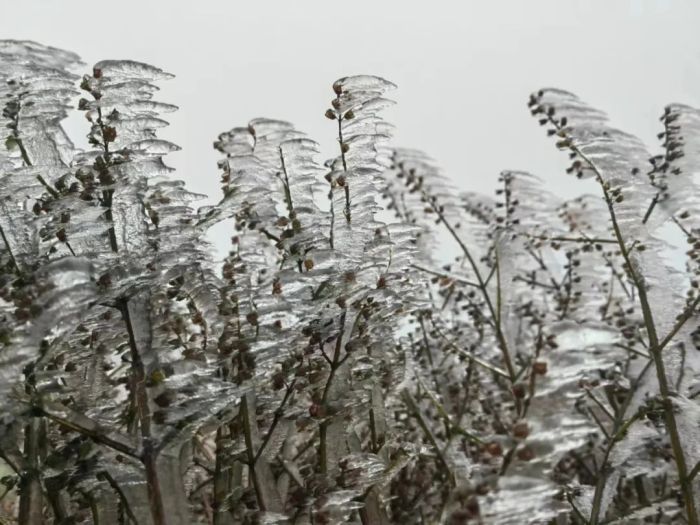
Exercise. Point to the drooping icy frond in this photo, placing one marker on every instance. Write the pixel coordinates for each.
(674, 173)
(362, 136)
(523, 211)
(593, 284)
(525, 203)
(127, 155)
(27, 52)
(411, 176)
(616, 159)
(36, 86)
(247, 177)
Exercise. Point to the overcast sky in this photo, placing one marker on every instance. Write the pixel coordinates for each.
(464, 68)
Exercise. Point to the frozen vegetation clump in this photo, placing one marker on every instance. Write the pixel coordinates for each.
(336, 368)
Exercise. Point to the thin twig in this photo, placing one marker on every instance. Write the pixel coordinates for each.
(278, 415)
(418, 415)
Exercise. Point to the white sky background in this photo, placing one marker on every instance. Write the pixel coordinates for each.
(464, 68)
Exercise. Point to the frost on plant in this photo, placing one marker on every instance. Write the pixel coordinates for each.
(340, 365)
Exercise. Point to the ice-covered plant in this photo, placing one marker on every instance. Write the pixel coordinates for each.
(375, 348)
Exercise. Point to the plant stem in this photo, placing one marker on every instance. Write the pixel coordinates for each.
(149, 453)
(31, 496)
(9, 250)
(106, 476)
(323, 427)
(263, 480)
(418, 415)
(79, 422)
(276, 419)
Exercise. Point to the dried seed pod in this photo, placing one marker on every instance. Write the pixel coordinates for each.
(525, 453)
(521, 430)
(539, 368)
(494, 449)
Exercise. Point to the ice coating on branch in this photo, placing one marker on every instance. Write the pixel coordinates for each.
(28, 52)
(360, 89)
(118, 70)
(571, 336)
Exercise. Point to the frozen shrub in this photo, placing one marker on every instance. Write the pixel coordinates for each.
(339, 366)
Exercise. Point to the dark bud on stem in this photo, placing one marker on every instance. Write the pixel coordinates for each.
(109, 134)
(278, 381)
(526, 454)
(521, 430)
(539, 368)
(164, 399)
(494, 449)
(519, 390)
(316, 410)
